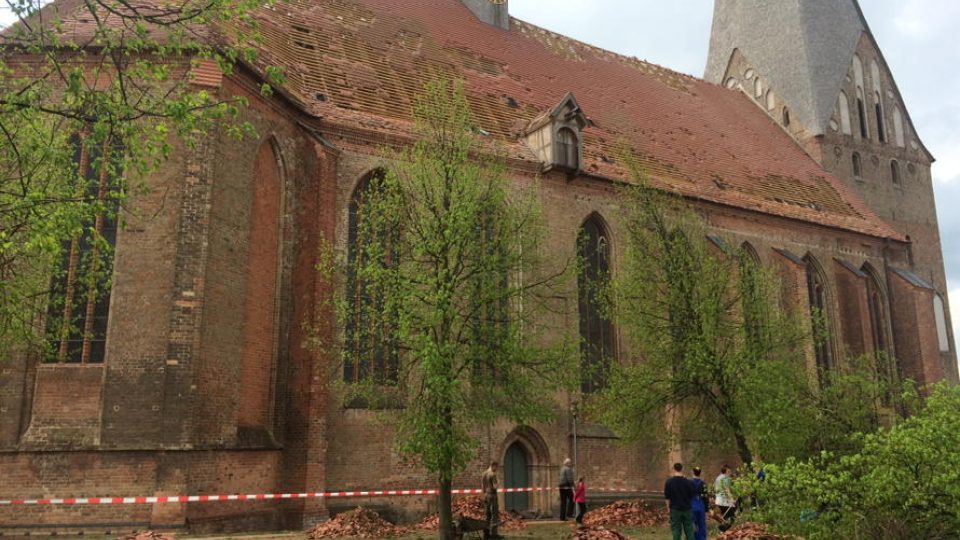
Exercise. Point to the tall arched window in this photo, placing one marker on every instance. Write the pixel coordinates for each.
(898, 127)
(862, 113)
(887, 367)
(881, 125)
(568, 149)
(751, 298)
(786, 117)
(940, 317)
(843, 103)
(263, 278)
(861, 97)
(878, 100)
(877, 303)
(895, 172)
(857, 166)
(758, 88)
(371, 352)
(79, 302)
(596, 330)
(819, 316)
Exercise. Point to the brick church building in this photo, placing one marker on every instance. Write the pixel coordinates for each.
(796, 145)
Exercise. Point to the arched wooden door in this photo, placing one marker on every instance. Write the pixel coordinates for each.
(516, 473)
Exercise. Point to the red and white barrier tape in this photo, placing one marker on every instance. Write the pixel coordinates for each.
(161, 499)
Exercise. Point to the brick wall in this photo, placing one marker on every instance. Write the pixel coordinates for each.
(84, 474)
(66, 407)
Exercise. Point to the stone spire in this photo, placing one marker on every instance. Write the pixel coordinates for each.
(492, 12)
(804, 48)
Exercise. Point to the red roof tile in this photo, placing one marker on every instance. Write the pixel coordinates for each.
(361, 62)
(350, 60)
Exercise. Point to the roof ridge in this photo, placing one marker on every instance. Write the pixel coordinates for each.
(602, 51)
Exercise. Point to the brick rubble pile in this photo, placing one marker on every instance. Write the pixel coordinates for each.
(752, 531)
(472, 507)
(147, 535)
(627, 513)
(359, 523)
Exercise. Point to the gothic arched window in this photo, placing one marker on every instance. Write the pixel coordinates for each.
(79, 302)
(263, 277)
(819, 316)
(857, 166)
(371, 352)
(786, 117)
(940, 318)
(877, 303)
(895, 172)
(843, 103)
(881, 125)
(898, 127)
(596, 330)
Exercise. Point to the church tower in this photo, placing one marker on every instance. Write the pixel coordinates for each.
(817, 70)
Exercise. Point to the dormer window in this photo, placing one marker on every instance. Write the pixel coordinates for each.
(567, 152)
(556, 136)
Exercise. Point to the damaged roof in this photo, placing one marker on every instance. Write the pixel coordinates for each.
(360, 63)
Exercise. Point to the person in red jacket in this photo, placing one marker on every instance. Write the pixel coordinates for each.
(580, 497)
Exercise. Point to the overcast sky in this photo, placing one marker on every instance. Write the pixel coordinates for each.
(918, 39)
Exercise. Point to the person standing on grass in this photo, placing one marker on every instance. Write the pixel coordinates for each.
(680, 493)
(580, 497)
(726, 504)
(699, 505)
(566, 490)
(491, 506)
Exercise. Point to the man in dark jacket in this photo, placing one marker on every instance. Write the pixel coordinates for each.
(566, 489)
(679, 493)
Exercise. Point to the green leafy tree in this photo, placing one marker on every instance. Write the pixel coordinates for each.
(717, 360)
(903, 482)
(448, 279)
(87, 112)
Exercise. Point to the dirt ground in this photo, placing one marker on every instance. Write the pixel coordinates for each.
(533, 531)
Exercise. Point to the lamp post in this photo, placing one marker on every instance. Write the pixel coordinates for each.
(575, 412)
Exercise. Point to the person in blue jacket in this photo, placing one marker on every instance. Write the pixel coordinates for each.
(699, 505)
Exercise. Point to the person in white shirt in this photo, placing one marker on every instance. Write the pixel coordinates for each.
(723, 498)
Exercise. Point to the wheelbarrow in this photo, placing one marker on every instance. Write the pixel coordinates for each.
(465, 527)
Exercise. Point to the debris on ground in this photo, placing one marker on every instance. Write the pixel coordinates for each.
(596, 533)
(472, 507)
(147, 535)
(627, 513)
(358, 523)
(752, 531)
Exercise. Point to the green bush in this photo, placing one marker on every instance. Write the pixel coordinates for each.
(903, 483)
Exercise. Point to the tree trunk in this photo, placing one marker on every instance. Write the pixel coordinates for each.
(743, 449)
(446, 510)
